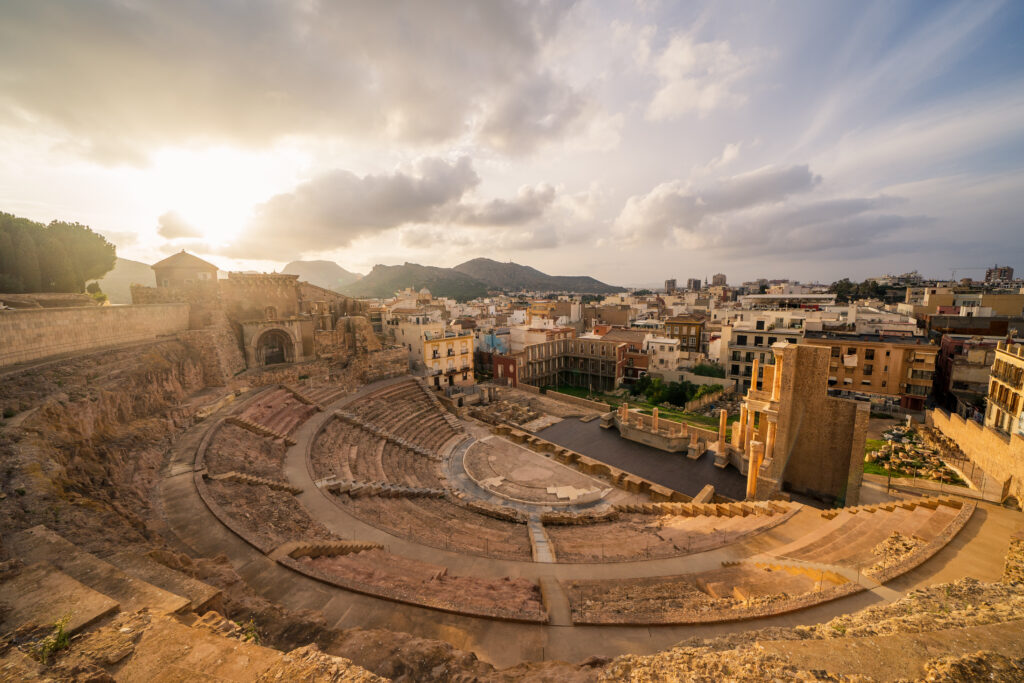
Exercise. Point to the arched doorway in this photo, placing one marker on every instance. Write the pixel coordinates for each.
(274, 346)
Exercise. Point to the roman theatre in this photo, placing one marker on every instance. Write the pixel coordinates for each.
(381, 509)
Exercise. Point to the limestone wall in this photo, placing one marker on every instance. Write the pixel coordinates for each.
(32, 334)
(706, 400)
(1014, 570)
(1000, 455)
(569, 398)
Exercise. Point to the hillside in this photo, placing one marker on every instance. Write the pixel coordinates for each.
(384, 281)
(514, 277)
(326, 274)
(117, 283)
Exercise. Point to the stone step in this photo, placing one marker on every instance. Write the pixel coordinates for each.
(41, 594)
(258, 429)
(252, 480)
(302, 398)
(39, 544)
(202, 596)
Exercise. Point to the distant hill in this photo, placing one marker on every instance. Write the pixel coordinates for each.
(384, 281)
(513, 277)
(116, 284)
(326, 274)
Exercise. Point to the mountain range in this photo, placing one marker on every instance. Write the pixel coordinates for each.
(117, 283)
(470, 280)
(326, 274)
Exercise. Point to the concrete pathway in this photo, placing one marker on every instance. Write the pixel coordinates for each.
(977, 551)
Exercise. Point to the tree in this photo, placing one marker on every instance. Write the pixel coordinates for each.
(26, 267)
(55, 258)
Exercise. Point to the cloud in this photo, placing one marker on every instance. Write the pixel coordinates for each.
(172, 226)
(118, 79)
(338, 207)
(676, 206)
(528, 205)
(697, 77)
(534, 110)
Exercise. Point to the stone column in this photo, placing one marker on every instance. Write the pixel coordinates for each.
(754, 371)
(723, 418)
(769, 446)
(754, 466)
(777, 378)
(748, 432)
(624, 411)
(654, 420)
(742, 426)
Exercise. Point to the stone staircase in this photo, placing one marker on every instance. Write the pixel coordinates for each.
(297, 549)
(388, 435)
(452, 421)
(252, 480)
(302, 398)
(259, 429)
(381, 489)
(930, 503)
(131, 619)
(707, 509)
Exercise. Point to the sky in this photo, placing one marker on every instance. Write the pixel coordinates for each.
(630, 141)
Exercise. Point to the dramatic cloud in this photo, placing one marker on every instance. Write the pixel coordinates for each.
(530, 204)
(172, 226)
(533, 111)
(676, 206)
(696, 77)
(333, 209)
(119, 78)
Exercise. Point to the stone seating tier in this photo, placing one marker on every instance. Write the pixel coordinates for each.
(235, 448)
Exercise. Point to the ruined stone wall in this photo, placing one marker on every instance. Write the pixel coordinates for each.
(1014, 570)
(1000, 455)
(203, 299)
(32, 334)
(218, 349)
(820, 441)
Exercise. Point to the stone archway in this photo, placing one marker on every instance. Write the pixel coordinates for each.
(275, 346)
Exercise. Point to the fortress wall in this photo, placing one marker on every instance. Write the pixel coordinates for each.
(32, 334)
(1000, 455)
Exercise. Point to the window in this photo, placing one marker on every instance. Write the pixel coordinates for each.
(772, 340)
(741, 340)
(869, 354)
(759, 325)
(758, 341)
(734, 370)
(791, 340)
(835, 352)
(851, 351)
(693, 341)
(867, 370)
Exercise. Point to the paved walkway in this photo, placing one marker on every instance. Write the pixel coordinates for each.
(977, 551)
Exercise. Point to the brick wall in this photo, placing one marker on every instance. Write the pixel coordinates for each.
(1000, 455)
(32, 334)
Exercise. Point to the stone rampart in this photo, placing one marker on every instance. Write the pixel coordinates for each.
(1000, 455)
(31, 334)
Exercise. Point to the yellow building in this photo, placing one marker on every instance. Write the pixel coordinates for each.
(448, 357)
(1006, 390)
(900, 368)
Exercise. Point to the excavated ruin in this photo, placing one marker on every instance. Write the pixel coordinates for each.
(85, 442)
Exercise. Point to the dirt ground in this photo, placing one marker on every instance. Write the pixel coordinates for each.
(273, 516)
(432, 583)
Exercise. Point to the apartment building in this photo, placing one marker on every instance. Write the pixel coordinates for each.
(962, 373)
(588, 362)
(448, 357)
(689, 330)
(745, 341)
(636, 359)
(879, 368)
(1005, 411)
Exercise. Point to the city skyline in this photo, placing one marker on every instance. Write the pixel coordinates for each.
(632, 144)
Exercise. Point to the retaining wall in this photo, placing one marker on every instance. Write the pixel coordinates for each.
(31, 334)
(1000, 455)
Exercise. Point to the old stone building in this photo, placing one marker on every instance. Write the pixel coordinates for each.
(793, 436)
(255, 320)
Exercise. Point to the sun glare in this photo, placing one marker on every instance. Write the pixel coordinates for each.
(215, 189)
